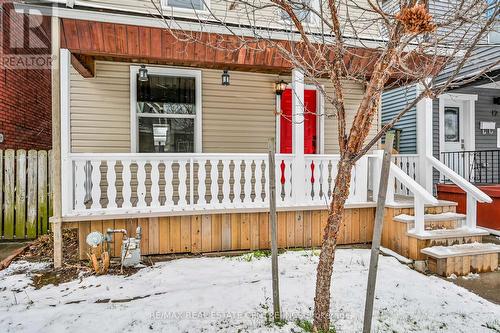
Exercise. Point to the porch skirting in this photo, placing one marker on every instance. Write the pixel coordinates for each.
(231, 231)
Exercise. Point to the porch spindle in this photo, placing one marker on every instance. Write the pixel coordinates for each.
(237, 181)
(126, 191)
(80, 192)
(315, 166)
(248, 182)
(321, 180)
(202, 164)
(96, 185)
(169, 186)
(258, 181)
(225, 182)
(191, 182)
(155, 186)
(288, 180)
(214, 179)
(111, 178)
(141, 184)
(308, 185)
(280, 173)
(266, 182)
(182, 184)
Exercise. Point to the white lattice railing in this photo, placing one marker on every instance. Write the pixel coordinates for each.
(148, 183)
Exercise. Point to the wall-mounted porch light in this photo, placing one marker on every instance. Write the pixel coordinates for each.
(143, 74)
(225, 78)
(279, 87)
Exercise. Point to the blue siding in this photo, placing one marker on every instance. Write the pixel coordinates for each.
(393, 102)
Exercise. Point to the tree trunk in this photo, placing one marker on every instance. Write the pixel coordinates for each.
(327, 256)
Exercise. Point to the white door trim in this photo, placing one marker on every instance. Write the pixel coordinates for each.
(467, 103)
(320, 122)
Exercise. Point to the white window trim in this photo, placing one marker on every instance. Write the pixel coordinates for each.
(467, 103)
(320, 122)
(172, 9)
(134, 142)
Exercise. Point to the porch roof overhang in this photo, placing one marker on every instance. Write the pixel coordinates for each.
(152, 45)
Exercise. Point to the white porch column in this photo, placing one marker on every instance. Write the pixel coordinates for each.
(298, 177)
(424, 141)
(66, 166)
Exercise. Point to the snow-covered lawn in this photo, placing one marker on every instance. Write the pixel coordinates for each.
(232, 294)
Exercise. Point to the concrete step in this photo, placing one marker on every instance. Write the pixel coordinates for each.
(447, 220)
(437, 234)
(462, 259)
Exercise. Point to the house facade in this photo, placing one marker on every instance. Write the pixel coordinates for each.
(171, 135)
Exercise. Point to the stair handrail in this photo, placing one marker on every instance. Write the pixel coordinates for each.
(461, 182)
(412, 185)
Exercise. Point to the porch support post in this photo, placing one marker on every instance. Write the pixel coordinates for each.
(298, 176)
(424, 141)
(66, 165)
(56, 219)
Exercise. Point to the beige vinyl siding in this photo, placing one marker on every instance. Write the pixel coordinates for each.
(353, 93)
(100, 110)
(236, 119)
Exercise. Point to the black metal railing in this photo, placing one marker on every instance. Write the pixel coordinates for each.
(479, 166)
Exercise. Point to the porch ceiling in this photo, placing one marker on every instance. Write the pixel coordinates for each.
(118, 42)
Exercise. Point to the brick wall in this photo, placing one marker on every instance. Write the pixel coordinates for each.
(25, 94)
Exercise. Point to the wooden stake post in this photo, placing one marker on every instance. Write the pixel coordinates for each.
(274, 236)
(377, 232)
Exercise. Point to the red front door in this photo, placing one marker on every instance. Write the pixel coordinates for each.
(309, 122)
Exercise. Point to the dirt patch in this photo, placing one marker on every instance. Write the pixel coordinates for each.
(42, 249)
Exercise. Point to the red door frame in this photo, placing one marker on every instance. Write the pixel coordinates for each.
(317, 136)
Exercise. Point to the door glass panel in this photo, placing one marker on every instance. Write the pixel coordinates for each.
(451, 124)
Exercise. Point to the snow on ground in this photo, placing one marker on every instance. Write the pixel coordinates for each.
(232, 294)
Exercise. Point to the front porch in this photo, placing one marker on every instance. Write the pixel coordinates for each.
(189, 164)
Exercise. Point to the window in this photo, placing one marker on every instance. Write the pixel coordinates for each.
(166, 111)
(494, 34)
(301, 8)
(187, 4)
(451, 124)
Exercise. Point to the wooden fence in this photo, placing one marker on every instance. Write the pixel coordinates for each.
(26, 196)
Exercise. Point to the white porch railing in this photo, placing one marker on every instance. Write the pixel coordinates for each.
(404, 176)
(107, 184)
(474, 195)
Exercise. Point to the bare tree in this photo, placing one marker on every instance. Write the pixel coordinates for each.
(379, 44)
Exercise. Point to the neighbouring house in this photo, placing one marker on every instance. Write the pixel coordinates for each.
(25, 80)
(465, 128)
(172, 136)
